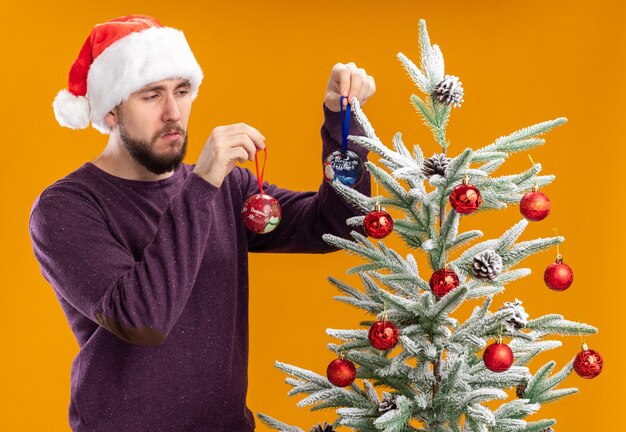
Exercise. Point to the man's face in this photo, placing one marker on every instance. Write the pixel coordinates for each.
(153, 124)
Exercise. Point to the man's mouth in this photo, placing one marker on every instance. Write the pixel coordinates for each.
(171, 136)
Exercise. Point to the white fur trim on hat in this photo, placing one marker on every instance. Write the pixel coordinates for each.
(71, 111)
(135, 61)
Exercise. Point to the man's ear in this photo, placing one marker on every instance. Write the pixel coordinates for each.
(112, 117)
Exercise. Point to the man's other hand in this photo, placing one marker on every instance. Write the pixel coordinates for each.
(226, 146)
(350, 81)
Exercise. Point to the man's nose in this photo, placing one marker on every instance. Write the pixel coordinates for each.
(171, 111)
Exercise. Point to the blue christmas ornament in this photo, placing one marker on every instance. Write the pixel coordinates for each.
(346, 167)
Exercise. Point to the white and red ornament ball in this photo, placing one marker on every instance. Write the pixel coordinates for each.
(261, 213)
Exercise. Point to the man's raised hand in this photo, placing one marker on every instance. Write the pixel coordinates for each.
(350, 81)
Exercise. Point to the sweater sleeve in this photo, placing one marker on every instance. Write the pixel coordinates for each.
(137, 301)
(309, 215)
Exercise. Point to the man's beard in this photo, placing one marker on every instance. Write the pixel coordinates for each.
(141, 151)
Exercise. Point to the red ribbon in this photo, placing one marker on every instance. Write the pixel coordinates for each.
(259, 178)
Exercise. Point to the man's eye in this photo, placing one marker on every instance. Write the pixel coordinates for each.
(183, 92)
(151, 97)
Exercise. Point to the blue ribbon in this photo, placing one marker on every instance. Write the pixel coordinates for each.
(345, 125)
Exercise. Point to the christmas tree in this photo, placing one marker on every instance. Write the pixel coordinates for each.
(419, 368)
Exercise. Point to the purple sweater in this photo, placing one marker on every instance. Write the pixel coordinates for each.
(153, 279)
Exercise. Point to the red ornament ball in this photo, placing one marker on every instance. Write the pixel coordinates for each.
(443, 281)
(261, 213)
(378, 223)
(383, 335)
(535, 205)
(341, 372)
(558, 276)
(465, 198)
(498, 357)
(588, 363)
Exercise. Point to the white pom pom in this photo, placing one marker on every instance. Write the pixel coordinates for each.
(428, 245)
(71, 111)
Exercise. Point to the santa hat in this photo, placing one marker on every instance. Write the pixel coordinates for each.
(118, 58)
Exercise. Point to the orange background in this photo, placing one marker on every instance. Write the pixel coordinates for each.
(267, 64)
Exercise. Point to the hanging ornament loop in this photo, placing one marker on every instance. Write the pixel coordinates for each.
(559, 257)
(261, 212)
(259, 176)
(344, 165)
(345, 124)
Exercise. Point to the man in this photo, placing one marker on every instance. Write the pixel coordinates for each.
(148, 255)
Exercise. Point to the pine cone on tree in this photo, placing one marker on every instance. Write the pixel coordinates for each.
(548, 430)
(436, 164)
(323, 428)
(520, 389)
(388, 403)
(449, 91)
(520, 317)
(487, 265)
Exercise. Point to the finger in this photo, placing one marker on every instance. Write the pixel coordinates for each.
(364, 92)
(341, 77)
(257, 137)
(356, 82)
(335, 77)
(244, 156)
(249, 146)
(372, 85)
(238, 128)
(237, 154)
(332, 101)
(241, 140)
